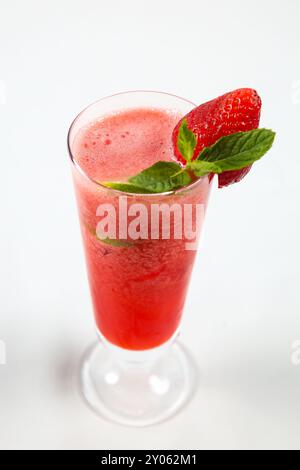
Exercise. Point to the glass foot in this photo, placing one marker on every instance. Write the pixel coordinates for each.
(139, 393)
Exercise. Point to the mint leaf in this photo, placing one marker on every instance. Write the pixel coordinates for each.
(161, 177)
(186, 141)
(234, 152)
(117, 243)
(108, 241)
(182, 178)
(126, 187)
(201, 168)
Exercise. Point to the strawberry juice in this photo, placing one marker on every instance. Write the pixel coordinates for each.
(138, 286)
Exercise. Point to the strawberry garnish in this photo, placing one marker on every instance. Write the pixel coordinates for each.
(233, 112)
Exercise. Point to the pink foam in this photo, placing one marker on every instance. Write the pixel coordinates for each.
(121, 145)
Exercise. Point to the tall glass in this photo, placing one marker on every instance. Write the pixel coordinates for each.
(137, 374)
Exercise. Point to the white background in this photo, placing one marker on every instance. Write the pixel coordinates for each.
(242, 315)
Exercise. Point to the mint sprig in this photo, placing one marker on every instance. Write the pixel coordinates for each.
(231, 152)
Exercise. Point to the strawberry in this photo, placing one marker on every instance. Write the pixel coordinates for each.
(235, 111)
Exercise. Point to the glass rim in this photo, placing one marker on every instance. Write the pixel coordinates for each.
(97, 183)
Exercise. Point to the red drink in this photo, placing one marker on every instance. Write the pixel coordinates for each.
(138, 289)
(138, 278)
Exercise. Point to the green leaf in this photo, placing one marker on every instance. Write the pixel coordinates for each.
(161, 177)
(201, 168)
(234, 152)
(108, 241)
(186, 141)
(126, 188)
(182, 178)
(117, 243)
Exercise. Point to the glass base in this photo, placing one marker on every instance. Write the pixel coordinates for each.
(139, 393)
